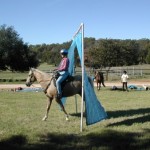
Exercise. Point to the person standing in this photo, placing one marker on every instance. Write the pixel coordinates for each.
(124, 79)
(63, 71)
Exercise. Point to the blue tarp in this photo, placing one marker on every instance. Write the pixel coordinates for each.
(30, 90)
(94, 110)
(135, 87)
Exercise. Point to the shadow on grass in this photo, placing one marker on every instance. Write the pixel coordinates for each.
(129, 113)
(128, 122)
(77, 114)
(108, 139)
(126, 113)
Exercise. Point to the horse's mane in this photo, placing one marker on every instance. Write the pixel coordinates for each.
(45, 74)
(39, 71)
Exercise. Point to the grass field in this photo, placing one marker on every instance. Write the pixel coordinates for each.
(17, 77)
(127, 126)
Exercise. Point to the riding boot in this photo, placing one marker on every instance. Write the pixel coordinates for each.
(58, 96)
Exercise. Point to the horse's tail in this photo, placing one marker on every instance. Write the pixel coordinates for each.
(91, 81)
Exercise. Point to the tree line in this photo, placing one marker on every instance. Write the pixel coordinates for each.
(100, 53)
(115, 52)
(16, 55)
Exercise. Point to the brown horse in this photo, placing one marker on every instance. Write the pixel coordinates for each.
(47, 83)
(99, 77)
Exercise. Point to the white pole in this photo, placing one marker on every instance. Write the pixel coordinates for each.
(81, 127)
(81, 28)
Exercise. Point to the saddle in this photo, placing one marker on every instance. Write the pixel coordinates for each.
(56, 76)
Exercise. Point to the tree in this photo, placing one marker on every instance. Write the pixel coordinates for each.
(110, 52)
(14, 54)
(107, 53)
(131, 52)
(144, 45)
(148, 57)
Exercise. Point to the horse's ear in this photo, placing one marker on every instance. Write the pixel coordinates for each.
(30, 68)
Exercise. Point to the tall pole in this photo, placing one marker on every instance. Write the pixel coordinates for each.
(81, 29)
(81, 126)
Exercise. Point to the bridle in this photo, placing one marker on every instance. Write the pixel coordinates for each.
(32, 78)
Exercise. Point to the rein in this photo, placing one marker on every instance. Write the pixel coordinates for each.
(45, 90)
(44, 80)
(41, 81)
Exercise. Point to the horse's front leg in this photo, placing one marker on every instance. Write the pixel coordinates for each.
(49, 102)
(97, 86)
(62, 107)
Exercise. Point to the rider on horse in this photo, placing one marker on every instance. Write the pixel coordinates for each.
(63, 71)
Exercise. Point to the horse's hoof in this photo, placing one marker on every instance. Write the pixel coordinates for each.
(67, 118)
(44, 119)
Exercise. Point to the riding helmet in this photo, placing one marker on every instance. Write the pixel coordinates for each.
(64, 51)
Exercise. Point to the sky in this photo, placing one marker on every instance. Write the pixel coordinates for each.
(56, 21)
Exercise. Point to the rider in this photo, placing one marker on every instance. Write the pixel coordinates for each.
(63, 71)
(124, 79)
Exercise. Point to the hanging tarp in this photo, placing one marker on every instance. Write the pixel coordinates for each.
(93, 108)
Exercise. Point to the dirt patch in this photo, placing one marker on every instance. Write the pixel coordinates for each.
(108, 84)
(12, 87)
(137, 83)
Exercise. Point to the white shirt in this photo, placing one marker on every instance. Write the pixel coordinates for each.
(124, 78)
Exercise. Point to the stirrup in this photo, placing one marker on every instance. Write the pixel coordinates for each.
(58, 96)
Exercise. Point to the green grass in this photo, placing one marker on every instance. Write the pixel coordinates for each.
(7, 77)
(13, 75)
(17, 77)
(127, 126)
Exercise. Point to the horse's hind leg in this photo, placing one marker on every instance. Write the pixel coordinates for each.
(103, 84)
(98, 86)
(48, 108)
(62, 107)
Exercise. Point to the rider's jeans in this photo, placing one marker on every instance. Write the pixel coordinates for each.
(62, 77)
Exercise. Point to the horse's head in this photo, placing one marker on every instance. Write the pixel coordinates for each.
(31, 78)
(96, 73)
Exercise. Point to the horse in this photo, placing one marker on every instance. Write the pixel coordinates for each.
(47, 83)
(99, 77)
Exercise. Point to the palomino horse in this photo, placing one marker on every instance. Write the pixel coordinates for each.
(99, 79)
(47, 83)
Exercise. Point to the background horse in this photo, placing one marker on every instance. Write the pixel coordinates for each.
(47, 83)
(99, 77)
